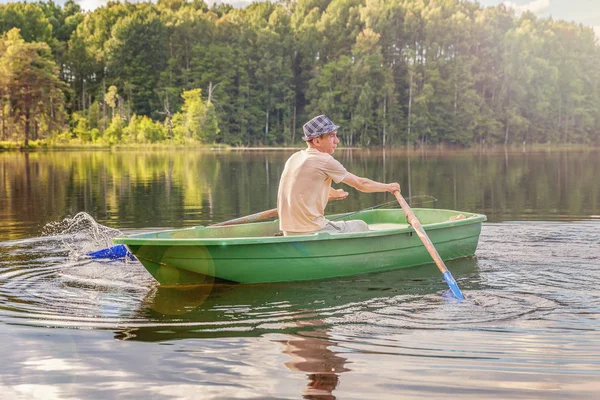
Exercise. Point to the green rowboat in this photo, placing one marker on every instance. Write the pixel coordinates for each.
(253, 252)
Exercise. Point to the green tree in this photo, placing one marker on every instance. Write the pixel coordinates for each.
(197, 120)
(86, 57)
(29, 18)
(143, 130)
(30, 86)
(111, 97)
(81, 128)
(136, 55)
(114, 132)
(411, 72)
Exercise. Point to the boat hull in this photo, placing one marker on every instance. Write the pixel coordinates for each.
(187, 257)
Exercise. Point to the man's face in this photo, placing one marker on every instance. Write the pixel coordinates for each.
(327, 143)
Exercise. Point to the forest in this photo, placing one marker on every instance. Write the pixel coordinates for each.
(389, 72)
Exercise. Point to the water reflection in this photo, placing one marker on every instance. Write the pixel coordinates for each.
(309, 347)
(179, 188)
(311, 353)
(301, 314)
(220, 309)
(527, 329)
(532, 291)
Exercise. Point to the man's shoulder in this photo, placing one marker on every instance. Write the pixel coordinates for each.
(318, 154)
(327, 162)
(315, 159)
(296, 155)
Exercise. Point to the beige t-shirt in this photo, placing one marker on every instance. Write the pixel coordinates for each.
(304, 189)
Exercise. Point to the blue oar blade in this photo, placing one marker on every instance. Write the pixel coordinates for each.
(453, 285)
(113, 253)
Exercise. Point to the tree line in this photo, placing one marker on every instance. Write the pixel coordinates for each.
(389, 72)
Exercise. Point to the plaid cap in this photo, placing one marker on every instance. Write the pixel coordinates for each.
(318, 126)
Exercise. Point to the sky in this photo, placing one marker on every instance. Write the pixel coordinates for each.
(586, 12)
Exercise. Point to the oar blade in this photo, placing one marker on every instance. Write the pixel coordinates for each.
(453, 285)
(414, 222)
(112, 253)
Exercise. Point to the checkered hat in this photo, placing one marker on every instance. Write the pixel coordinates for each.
(318, 126)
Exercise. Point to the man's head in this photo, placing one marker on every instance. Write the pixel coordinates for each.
(321, 133)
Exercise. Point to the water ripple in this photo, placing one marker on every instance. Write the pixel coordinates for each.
(508, 286)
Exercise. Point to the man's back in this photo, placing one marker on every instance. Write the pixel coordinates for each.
(304, 189)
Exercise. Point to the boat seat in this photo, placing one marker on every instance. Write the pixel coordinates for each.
(387, 226)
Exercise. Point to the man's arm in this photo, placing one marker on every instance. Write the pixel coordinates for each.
(368, 186)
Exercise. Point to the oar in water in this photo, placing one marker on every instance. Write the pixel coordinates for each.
(414, 222)
(113, 253)
(120, 251)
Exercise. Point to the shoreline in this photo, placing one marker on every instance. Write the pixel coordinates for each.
(440, 148)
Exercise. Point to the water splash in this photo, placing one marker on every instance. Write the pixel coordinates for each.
(81, 234)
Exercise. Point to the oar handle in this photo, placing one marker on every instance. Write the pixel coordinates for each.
(414, 222)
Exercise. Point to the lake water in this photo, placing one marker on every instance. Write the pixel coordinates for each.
(71, 327)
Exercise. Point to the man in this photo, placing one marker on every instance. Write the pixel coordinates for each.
(305, 184)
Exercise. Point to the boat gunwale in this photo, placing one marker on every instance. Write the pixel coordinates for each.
(222, 241)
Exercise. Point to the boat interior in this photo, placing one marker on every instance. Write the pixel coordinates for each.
(378, 220)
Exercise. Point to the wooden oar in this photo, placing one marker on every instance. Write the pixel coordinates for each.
(249, 218)
(120, 251)
(414, 222)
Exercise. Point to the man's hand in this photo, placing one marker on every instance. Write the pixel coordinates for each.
(393, 187)
(337, 194)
